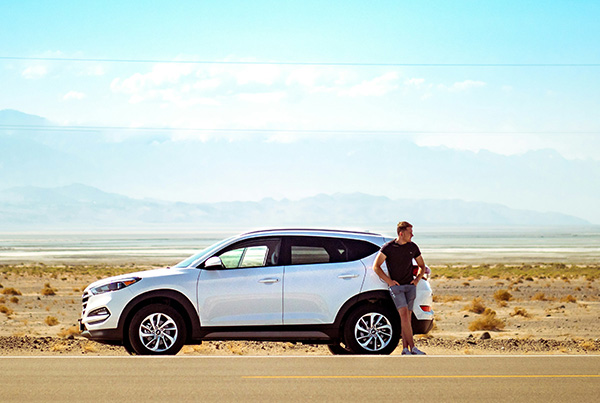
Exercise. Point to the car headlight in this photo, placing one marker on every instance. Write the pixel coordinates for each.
(114, 285)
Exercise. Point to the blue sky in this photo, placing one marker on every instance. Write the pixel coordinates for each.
(506, 110)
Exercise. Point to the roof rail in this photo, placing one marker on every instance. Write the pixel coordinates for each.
(313, 229)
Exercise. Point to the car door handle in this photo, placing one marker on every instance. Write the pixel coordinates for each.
(268, 280)
(348, 276)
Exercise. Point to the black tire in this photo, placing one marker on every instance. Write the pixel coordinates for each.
(128, 347)
(157, 330)
(372, 329)
(338, 349)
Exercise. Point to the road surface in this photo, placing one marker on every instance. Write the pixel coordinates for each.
(275, 378)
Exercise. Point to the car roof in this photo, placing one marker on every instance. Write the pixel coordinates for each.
(315, 232)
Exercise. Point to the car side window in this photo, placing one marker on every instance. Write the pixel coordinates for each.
(318, 250)
(309, 254)
(252, 253)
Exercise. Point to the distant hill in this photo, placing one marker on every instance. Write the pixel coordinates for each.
(80, 206)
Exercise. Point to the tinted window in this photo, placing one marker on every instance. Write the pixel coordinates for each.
(251, 253)
(315, 250)
(309, 254)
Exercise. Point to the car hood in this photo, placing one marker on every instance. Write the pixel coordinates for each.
(164, 272)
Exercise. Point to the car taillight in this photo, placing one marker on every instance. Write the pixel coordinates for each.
(425, 308)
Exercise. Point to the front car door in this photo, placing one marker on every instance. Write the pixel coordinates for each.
(248, 290)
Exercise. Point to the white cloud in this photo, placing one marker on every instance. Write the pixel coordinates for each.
(462, 85)
(261, 74)
(376, 87)
(34, 72)
(414, 82)
(262, 98)
(73, 95)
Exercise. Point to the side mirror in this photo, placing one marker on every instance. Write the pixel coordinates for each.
(213, 263)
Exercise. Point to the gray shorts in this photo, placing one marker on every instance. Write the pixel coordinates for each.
(404, 295)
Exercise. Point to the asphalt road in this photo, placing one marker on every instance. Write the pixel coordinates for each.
(193, 378)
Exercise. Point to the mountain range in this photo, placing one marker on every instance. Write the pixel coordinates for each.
(145, 168)
(84, 207)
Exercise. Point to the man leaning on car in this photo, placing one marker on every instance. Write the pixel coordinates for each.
(398, 255)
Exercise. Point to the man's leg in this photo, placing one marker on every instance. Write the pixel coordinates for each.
(407, 333)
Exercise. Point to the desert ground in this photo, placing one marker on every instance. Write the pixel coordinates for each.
(533, 309)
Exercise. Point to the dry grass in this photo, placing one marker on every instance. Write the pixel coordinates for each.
(487, 321)
(447, 298)
(588, 345)
(48, 290)
(11, 291)
(51, 321)
(502, 295)
(90, 347)
(568, 298)
(476, 306)
(540, 296)
(5, 310)
(70, 331)
(520, 312)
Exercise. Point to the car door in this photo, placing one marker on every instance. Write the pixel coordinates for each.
(247, 290)
(318, 279)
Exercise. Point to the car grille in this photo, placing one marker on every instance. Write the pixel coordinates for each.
(84, 301)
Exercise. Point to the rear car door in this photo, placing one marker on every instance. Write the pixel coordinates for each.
(320, 275)
(248, 290)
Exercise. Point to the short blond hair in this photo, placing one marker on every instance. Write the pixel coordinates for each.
(403, 225)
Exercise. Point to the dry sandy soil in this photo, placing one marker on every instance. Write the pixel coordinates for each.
(542, 315)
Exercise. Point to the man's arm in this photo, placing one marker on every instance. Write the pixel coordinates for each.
(379, 271)
(421, 272)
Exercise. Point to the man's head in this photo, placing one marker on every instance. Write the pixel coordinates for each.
(404, 230)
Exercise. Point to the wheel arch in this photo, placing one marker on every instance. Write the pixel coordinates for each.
(171, 298)
(381, 297)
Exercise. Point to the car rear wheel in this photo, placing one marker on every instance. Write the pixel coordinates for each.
(372, 329)
(157, 330)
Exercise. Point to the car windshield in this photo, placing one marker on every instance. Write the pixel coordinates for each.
(205, 253)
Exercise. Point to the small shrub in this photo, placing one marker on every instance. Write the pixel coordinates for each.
(51, 321)
(5, 310)
(48, 290)
(14, 300)
(520, 312)
(447, 298)
(502, 295)
(11, 291)
(568, 298)
(71, 331)
(476, 306)
(487, 321)
(2, 300)
(540, 296)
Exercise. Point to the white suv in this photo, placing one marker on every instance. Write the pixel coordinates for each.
(309, 286)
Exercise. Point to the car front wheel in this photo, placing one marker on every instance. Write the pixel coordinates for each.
(372, 329)
(157, 330)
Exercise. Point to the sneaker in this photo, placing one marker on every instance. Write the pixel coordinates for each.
(406, 351)
(416, 351)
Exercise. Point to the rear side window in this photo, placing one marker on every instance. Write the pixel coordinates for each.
(317, 250)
